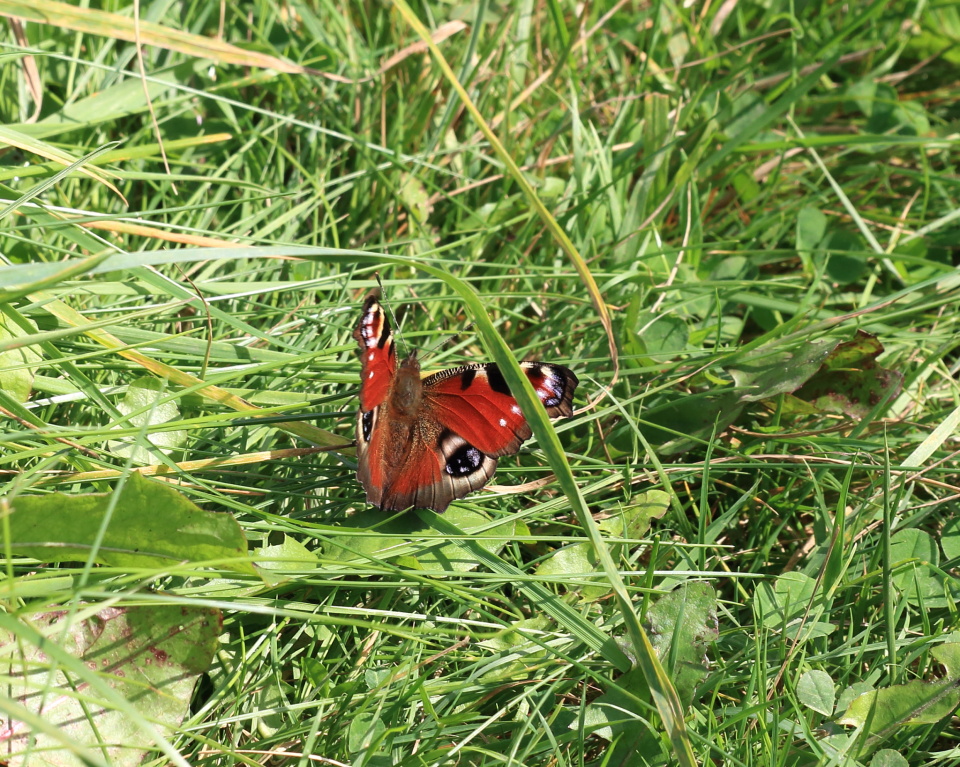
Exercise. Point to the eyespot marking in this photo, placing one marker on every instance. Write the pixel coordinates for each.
(366, 422)
(464, 461)
(462, 458)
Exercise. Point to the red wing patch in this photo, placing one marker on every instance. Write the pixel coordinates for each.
(378, 355)
(475, 403)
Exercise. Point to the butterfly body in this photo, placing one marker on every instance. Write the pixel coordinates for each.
(424, 442)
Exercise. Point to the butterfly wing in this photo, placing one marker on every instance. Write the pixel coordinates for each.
(474, 403)
(378, 368)
(377, 352)
(439, 467)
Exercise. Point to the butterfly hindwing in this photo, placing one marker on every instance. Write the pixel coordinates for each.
(437, 469)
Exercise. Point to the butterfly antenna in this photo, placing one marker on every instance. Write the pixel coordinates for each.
(446, 339)
(393, 317)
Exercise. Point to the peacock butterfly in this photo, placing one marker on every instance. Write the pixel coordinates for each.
(424, 442)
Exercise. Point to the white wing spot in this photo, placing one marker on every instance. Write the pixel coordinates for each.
(503, 421)
(372, 355)
(516, 410)
(370, 376)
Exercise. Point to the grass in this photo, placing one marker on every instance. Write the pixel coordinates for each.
(727, 193)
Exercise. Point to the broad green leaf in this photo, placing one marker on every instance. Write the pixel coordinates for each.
(769, 371)
(288, 555)
(784, 600)
(17, 362)
(846, 255)
(887, 757)
(914, 557)
(662, 334)
(272, 705)
(152, 656)
(849, 693)
(811, 227)
(862, 94)
(151, 525)
(515, 636)
(576, 564)
(616, 714)
(916, 702)
(578, 559)
(364, 731)
(817, 691)
(950, 538)
(634, 520)
(144, 404)
(682, 626)
(281, 563)
(377, 537)
(689, 420)
(912, 544)
(415, 197)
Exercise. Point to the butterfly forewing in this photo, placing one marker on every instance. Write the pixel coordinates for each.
(378, 357)
(475, 402)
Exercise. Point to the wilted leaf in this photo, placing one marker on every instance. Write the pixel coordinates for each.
(150, 656)
(850, 381)
(913, 703)
(150, 525)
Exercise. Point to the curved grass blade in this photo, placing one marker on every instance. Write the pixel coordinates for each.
(520, 180)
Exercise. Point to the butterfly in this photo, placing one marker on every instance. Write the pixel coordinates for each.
(424, 442)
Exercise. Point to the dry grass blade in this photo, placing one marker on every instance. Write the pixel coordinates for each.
(104, 24)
